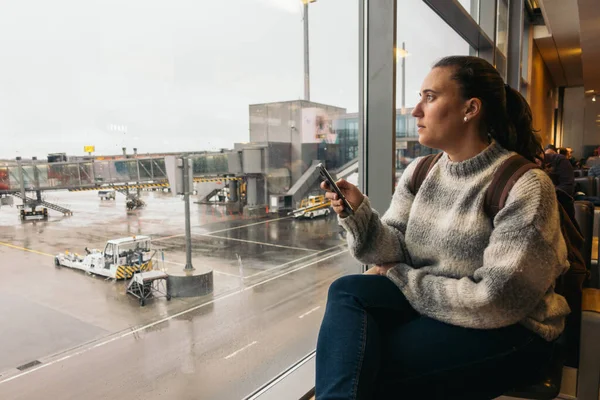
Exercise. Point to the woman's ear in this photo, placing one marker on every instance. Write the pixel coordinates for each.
(473, 108)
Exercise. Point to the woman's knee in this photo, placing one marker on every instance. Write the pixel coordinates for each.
(346, 284)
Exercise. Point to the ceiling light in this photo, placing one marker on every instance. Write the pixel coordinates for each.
(593, 98)
(590, 91)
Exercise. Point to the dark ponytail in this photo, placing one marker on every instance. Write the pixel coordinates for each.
(506, 114)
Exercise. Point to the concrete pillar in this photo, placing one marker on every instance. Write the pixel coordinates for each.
(233, 191)
(252, 191)
(21, 181)
(36, 178)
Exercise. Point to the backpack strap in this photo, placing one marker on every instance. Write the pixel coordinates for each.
(503, 181)
(421, 170)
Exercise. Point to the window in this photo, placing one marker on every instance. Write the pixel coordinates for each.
(502, 37)
(502, 27)
(472, 7)
(101, 92)
(487, 17)
(418, 50)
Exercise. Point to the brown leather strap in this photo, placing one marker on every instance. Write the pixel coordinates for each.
(421, 170)
(504, 179)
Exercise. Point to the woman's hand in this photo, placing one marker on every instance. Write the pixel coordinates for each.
(351, 192)
(379, 269)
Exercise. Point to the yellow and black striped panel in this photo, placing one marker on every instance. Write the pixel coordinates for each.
(122, 187)
(151, 185)
(127, 271)
(223, 179)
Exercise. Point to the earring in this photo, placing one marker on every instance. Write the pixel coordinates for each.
(466, 119)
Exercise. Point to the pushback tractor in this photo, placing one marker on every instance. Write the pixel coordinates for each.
(120, 259)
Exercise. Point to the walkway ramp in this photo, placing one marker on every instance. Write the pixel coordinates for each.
(46, 204)
(206, 190)
(305, 183)
(346, 170)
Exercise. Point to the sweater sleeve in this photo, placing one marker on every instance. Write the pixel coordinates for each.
(378, 240)
(525, 254)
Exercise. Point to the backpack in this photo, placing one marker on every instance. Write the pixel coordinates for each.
(570, 284)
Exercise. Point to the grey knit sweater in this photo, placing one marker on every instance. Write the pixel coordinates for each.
(452, 265)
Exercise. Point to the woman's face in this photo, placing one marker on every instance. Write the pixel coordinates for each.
(440, 112)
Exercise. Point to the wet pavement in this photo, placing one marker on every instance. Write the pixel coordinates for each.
(94, 341)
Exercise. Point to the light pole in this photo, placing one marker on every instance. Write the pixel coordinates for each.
(186, 197)
(306, 60)
(403, 55)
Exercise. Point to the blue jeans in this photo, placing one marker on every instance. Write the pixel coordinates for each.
(373, 345)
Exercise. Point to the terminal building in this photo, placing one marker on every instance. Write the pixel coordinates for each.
(288, 138)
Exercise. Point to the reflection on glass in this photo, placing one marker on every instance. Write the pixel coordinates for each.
(158, 168)
(502, 27)
(472, 7)
(42, 174)
(501, 64)
(210, 164)
(86, 173)
(4, 179)
(145, 169)
(178, 77)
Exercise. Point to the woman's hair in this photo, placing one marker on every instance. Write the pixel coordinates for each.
(563, 151)
(506, 114)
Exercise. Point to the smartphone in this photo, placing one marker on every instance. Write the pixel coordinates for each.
(327, 177)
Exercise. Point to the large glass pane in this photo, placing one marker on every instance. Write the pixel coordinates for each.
(502, 27)
(158, 169)
(101, 92)
(501, 64)
(525, 50)
(42, 174)
(418, 49)
(145, 169)
(487, 17)
(14, 178)
(102, 171)
(472, 7)
(86, 174)
(28, 177)
(4, 179)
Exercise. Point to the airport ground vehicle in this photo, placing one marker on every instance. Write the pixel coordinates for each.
(32, 212)
(107, 194)
(312, 207)
(120, 259)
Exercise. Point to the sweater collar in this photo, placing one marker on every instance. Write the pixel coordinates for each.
(473, 165)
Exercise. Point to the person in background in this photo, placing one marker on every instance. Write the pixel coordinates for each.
(550, 149)
(593, 160)
(571, 158)
(594, 171)
(560, 171)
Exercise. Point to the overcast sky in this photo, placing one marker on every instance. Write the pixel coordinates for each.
(179, 74)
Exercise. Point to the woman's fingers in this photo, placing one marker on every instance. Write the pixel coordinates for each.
(331, 195)
(338, 209)
(337, 203)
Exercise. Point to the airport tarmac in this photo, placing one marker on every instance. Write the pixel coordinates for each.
(69, 335)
